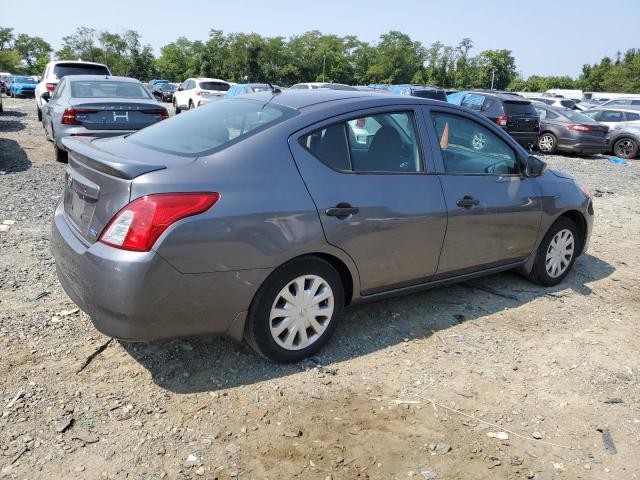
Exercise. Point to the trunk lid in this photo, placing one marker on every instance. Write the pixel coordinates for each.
(522, 116)
(99, 176)
(117, 115)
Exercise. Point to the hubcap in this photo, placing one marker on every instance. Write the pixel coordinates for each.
(545, 143)
(301, 312)
(559, 253)
(478, 141)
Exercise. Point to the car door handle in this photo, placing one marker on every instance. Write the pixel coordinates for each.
(341, 210)
(467, 202)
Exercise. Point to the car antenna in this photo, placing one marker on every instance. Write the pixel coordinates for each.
(274, 90)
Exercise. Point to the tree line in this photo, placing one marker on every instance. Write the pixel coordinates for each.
(311, 56)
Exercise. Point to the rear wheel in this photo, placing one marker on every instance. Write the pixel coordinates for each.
(190, 104)
(296, 310)
(176, 108)
(556, 253)
(625, 148)
(39, 113)
(547, 143)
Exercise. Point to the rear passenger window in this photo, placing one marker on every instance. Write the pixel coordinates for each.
(632, 116)
(470, 148)
(611, 116)
(386, 142)
(474, 102)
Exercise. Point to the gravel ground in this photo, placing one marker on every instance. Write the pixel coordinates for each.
(491, 379)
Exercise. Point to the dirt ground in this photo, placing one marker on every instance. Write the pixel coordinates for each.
(491, 379)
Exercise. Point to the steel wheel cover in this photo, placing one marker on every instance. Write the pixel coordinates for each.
(545, 143)
(301, 312)
(559, 253)
(478, 141)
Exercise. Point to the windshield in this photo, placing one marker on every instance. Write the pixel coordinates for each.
(108, 89)
(24, 80)
(217, 86)
(211, 127)
(577, 117)
(64, 69)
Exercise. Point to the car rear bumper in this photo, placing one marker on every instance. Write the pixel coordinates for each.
(580, 145)
(524, 138)
(139, 296)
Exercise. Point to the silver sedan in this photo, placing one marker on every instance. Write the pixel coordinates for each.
(97, 106)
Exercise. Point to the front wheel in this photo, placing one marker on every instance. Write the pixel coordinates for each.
(176, 107)
(296, 310)
(556, 253)
(626, 148)
(39, 114)
(547, 143)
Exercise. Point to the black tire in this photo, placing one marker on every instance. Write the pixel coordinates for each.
(191, 106)
(61, 155)
(257, 331)
(539, 272)
(549, 142)
(176, 108)
(39, 113)
(625, 148)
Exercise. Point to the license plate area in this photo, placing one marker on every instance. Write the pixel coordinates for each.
(80, 198)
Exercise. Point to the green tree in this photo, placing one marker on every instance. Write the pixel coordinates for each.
(498, 65)
(9, 58)
(398, 58)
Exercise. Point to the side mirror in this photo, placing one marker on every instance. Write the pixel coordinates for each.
(180, 88)
(535, 166)
(45, 96)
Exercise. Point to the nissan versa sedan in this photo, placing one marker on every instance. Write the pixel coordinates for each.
(259, 217)
(97, 106)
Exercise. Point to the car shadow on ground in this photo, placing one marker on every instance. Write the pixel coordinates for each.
(209, 363)
(13, 157)
(9, 121)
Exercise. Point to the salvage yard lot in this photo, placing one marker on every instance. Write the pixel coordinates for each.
(409, 387)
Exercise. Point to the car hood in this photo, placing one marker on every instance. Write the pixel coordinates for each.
(560, 174)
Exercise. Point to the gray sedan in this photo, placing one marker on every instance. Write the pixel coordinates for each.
(260, 217)
(97, 106)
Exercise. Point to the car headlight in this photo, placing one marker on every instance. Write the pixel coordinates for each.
(583, 188)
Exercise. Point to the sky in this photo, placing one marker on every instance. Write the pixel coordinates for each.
(546, 37)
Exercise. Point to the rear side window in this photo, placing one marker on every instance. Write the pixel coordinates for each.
(611, 116)
(519, 108)
(632, 116)
(385, 142)
(635, 102)
(212, 127)
(215, 86)
(469, 148)
(63, 69)
(474, 102)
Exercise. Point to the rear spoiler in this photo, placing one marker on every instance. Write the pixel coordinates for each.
(83, 150)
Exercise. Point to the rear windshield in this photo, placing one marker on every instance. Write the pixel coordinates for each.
(24, 80)
(108, 89)
(216, 86)
(519, 108)
(577, 117)
(64, 69)
(211, 127)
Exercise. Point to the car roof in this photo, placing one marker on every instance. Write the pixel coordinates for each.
(205, 79)
(301, 99)
(108, 78)
(620, 108)
(56, 62)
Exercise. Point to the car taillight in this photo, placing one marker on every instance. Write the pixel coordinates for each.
(576, 127)
(69, 115)
(138, 225)
(502, 120)
(51, 87)
(201, 92)
(158, 111)
(360, 122)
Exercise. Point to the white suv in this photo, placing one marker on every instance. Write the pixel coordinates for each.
(54, 71)
(193, 90)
